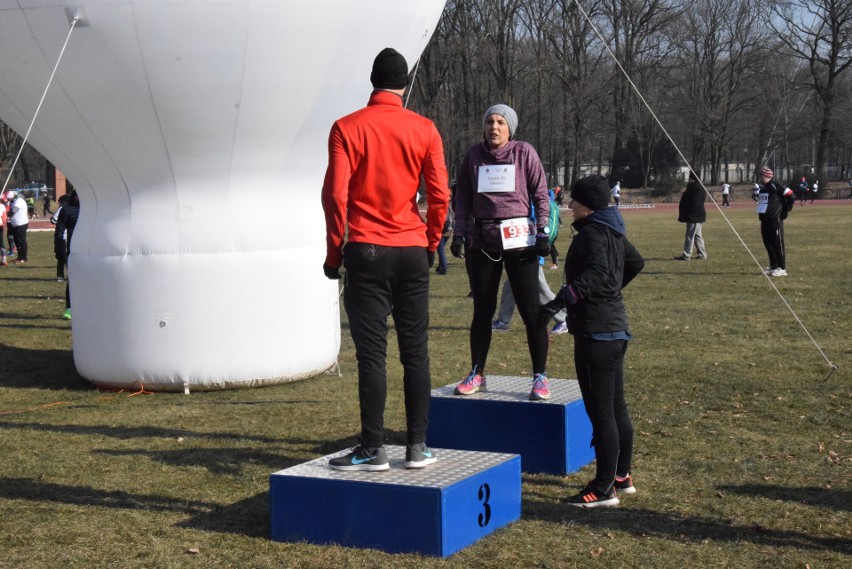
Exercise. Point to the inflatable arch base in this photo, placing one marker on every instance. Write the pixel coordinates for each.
(217, 321)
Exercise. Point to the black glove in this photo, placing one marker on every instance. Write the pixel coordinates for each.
(542, 245)
(457, 246)
(332, 273)
(549, 310)
(430, 257)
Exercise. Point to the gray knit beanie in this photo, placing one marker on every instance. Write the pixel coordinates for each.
(507, 113)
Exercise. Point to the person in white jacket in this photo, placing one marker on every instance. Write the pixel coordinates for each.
(19, 221)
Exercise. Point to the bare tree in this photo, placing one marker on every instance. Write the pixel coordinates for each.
(10, 143)
(820, 33)
(454, 83)
(499, 20)
(720, 43)
(638, 34)
(532, 16)
(578, 61)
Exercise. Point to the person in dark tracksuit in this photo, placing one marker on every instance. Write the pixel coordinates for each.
(599, 264)
(773, 204)
(66, 222)
(59, 243)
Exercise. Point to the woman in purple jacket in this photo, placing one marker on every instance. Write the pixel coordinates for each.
(501, 192)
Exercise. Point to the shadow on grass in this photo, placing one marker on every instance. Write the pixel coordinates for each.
(11, 316)
(441, 296)
(701, 273)
(249, 517)
(231, 461)
(644, 523)
(45, 369)
(219, 460)
(553, 480)
(123, 433)
(17, 278)
(26, 489)
(833, 499)
(462, 328)
(52, 326)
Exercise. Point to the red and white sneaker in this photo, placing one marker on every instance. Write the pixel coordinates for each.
(624, 485)
(591, 498)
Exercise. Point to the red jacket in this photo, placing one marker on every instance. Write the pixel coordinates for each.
(376, 156)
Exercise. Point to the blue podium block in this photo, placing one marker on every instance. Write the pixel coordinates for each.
(436, 511)
(551, 436)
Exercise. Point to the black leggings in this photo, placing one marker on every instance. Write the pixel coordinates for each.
(485, 274)
(600, 373)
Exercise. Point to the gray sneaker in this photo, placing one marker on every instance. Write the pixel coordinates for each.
(419, 456)
(362, 458)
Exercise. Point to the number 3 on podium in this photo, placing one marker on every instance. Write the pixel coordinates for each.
(484, 496)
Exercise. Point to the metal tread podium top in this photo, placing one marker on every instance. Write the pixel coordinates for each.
(452, 467)
(516, 389)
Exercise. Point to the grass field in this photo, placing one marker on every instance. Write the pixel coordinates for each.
(743, 451)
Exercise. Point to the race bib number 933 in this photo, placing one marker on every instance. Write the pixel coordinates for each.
(517, 232)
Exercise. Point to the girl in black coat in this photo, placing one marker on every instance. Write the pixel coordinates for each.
(600, 262)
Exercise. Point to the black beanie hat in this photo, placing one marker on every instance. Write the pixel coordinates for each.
(591, 191)
(390, 71)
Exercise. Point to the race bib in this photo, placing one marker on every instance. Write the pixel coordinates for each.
(762, 203)
(517, 232)
(496, 178)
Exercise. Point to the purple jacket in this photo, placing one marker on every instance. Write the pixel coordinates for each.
(476, 212)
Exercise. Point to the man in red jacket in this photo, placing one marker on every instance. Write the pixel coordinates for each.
(376, 157)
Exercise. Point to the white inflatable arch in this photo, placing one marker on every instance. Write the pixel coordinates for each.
(195, 133)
